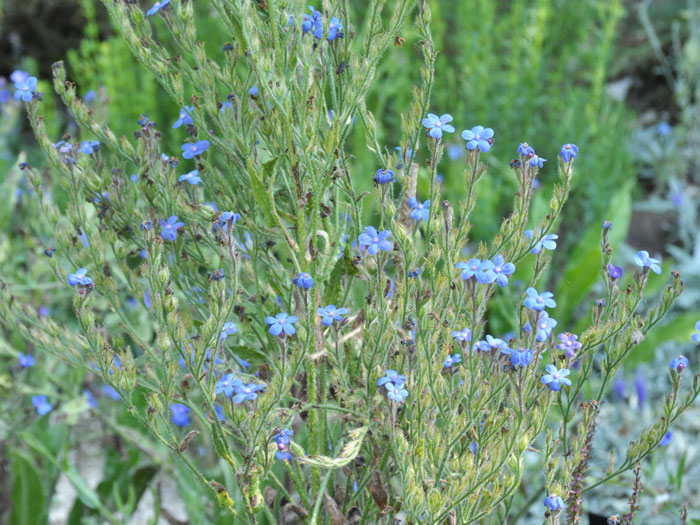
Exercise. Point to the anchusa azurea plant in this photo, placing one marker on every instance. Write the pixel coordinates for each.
(334, 350)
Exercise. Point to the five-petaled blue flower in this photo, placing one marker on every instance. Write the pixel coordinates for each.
(181, 414)
(555, 378)
(696, 336)
(190, 150)
(384, 176)
(169, 228)
(569, 344)
(421, 210)
(80, 277)
(642, 259)
(679, 363)
(25, 361)
(547, 242)
(304, 280)
(42, 406)
(554, 502)
(521, 357)
(396, 392)
(282, 324)
(452, 360)
(502, 269)
(436, 125)
(89, 146)
(335, 29)
(157, 7)
(330, 313)
(463, 335)
(227, 384)
(537, 161)
(391, 376)
(526, 150)
(192, 177)
(254, 91)
(246, 392)
(545, 325)
(481, 270)
(184, 117)
(374, 241)
(478, 137)
(569, 152)
(494, 343)
(615, 272)
(25, 89)
(539, 301)
(229, 328)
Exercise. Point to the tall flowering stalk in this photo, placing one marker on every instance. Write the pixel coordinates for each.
(337, 366)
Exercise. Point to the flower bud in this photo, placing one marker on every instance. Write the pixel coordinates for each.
(163, 275)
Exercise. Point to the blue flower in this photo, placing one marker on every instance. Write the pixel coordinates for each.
(664, 129)
(642, 259)
(679, 363)
(229, 328)
(184, 117)
(161, 4)
(169, 228)
(640, 385)
(190, 150)
(472, 268)
(615, 272)
(546, 242)
(282, 440)
(25, 89)
(478, 137)
(228, 218)
(25, 361)
(396, 392)
(391, 376)
(554, 502)
(89, 146)
(539, 301)
(455, 151)
(110, 392)
(19, 76)
(313, 22)
(181, 416)
(494, 343)
(607, 225)
(192, 177)
(282, 324)
(227, 384)
(80, 277)
(696, 336)
(545, 325)
(452, 360)
(42, 406)
(569, 344)
(335, 29)
(555, 378)
(254, 91)
(384, 176)
(525, 149)
(421, 211)
(521, 357)
(330, 313)
(374, 241)
(436, 125)
(219, 410)
(246, 392)
(502, 269)
(463, 335)
(537, 162)
(568, 152)
(303, 280)
(666, 440)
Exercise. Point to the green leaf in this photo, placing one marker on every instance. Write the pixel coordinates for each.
(680, 330)
(28, 498)
(259, 180)
(582, 271)
(347, 454)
